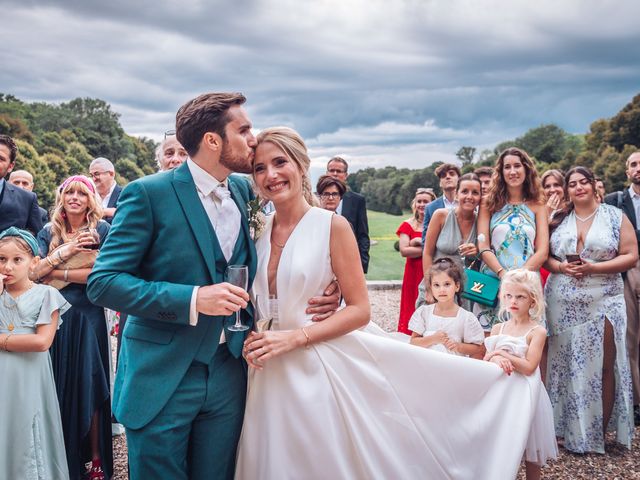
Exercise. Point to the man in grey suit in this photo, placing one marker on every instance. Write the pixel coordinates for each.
(353, 207)
(629, 201)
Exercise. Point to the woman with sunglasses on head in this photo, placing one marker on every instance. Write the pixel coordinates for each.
(452, 232)
(588, 375)
(513, 227)
(410, 244)
(80, 353)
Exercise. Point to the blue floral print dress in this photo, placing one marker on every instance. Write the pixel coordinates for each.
(576, 312)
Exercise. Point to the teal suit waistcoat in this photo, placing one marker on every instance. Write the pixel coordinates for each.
(160, 246)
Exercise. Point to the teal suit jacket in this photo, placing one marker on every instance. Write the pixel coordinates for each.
(160, 246)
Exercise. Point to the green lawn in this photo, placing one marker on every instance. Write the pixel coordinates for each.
(385, 262)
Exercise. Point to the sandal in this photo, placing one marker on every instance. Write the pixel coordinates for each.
(96, 472)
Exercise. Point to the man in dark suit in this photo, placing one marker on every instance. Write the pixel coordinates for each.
(629, 201)
(353, 207)
(448, 174)
(24, 180)
(103, 173)
(18, 208)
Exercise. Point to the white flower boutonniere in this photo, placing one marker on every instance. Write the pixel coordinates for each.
(256, 217)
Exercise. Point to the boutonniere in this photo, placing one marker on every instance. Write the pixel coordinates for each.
(256, 217)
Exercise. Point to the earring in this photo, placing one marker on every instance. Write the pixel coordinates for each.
(531, 311)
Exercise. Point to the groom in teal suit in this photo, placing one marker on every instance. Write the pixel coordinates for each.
(181, 380)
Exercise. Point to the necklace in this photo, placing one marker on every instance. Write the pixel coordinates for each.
(588, 217)
(11, 326)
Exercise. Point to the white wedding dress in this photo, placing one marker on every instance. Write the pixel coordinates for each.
(367, 406)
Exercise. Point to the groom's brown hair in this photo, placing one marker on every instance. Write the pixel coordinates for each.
(206, 113)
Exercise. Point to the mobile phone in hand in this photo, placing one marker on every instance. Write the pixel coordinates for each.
(573, 257)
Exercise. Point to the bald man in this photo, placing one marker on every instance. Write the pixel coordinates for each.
(24, 180)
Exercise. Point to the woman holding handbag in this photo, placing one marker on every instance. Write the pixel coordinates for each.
(513, 228)
(452, 232)
(80, 352)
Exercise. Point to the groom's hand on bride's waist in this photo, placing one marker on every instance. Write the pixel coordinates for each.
(322, 307)
(221, 299)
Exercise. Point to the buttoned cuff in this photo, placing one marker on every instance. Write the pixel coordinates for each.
(193, 313)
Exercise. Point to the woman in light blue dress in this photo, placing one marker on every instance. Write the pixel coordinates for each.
(588, 376)
(31, 439)
(513, 229)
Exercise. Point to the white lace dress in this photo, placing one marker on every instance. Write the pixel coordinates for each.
(367, 406)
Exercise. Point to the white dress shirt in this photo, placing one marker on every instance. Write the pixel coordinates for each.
(107, 197)
(205, 183)
(635, 198)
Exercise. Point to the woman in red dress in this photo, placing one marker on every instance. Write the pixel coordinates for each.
(410, 233)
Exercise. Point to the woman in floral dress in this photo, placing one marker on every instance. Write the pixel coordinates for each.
(588, 375)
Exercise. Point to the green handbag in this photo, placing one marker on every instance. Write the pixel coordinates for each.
(480, 287)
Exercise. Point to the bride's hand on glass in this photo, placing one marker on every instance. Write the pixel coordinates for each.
(260, 347)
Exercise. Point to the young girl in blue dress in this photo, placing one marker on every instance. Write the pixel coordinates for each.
(444, 326)
(516, 346)
(31, 439)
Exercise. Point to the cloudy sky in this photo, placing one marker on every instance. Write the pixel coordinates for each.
(381, 82)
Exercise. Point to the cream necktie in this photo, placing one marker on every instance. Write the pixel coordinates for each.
(228, 222)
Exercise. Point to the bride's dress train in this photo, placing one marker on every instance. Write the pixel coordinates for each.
(367, 406)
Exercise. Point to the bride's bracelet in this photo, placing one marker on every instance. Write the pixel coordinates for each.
(306, 345)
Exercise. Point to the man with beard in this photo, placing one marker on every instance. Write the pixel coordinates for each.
(181, 381)
(18, 207)
(629, 201)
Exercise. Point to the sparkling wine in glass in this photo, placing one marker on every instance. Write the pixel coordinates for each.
(238, 275)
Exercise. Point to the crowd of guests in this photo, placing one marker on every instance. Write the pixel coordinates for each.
(559, 231)
(580, 244)
(53, 338)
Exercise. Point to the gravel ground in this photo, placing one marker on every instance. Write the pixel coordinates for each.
(617, 463)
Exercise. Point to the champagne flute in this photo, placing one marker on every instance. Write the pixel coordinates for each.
(238, 275)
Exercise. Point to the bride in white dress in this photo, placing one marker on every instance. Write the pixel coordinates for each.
(326, 400)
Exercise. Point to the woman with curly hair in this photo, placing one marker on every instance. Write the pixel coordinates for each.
(513, 229)
(80, 351)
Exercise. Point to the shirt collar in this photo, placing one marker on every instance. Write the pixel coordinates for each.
(447, 203)
(2, 182)
(633, 194)
(205, 182)
(110, 192)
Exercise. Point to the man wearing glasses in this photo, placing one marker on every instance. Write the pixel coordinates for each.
(103, 174)
(354, 208)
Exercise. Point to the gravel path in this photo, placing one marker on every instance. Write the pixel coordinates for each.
(617, 463)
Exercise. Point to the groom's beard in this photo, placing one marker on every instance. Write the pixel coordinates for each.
(235, 162)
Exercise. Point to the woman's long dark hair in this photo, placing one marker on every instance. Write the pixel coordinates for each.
(531, 188)
(561, 214)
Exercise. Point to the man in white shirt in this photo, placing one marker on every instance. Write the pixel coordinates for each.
(103, 174)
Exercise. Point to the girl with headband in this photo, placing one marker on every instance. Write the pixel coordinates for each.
(31, 439)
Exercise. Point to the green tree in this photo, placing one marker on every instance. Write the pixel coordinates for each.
(466, 155)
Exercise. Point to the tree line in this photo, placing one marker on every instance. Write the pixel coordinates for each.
(58, 140)
(604, 149)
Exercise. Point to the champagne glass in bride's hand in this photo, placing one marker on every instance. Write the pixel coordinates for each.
(266, 312)
(238, 275)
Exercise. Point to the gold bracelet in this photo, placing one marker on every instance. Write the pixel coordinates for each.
(501, 269)
(50, 262)
(66, 274)
(62, 260)
(6, 340)
(306, 345)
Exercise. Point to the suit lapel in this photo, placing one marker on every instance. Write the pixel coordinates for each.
(241, 203)
(629, 209)
(198, 220)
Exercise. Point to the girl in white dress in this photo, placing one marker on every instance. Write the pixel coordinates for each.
(516, 346)
(444, 326)
(330, 399)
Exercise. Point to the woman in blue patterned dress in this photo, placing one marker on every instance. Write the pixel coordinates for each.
(513, 229)
(588, 376)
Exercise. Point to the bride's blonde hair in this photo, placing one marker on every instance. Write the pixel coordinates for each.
(291, 143)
